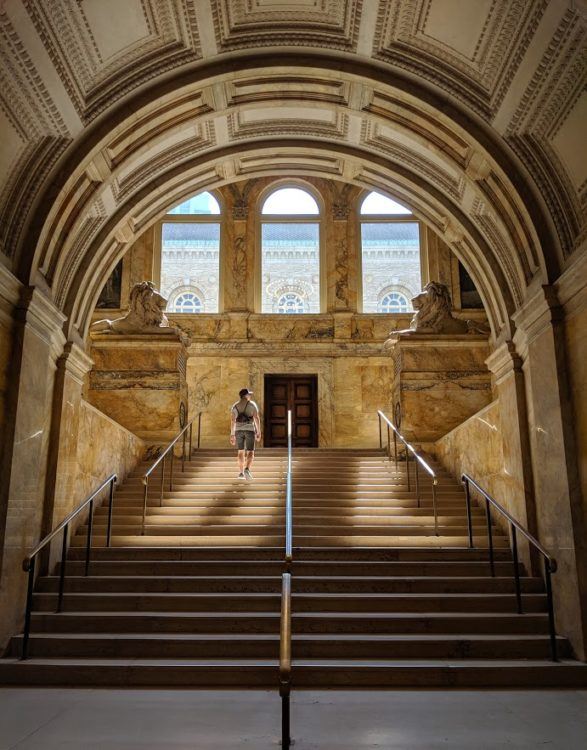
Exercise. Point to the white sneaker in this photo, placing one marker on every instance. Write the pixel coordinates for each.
(241, 475)
(248, 474)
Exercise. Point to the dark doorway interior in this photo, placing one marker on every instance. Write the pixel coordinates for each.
(300, 394)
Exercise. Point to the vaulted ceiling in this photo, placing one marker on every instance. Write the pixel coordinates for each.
(471, 112)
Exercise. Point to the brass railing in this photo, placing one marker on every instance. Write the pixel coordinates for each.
(550, 565)
(186, 435)
(285, 624)
(418, 461)
(29, 562)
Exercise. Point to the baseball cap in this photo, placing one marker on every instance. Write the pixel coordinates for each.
(245, 392)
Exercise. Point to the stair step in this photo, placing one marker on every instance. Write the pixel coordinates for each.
(177, 646)
(321, 602)
(268, 622)
(309, 673)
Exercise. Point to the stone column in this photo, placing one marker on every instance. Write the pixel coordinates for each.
(341, 247)
(62, 467)
(516, 474)
(237, 257)
(559, 514)
(38, 342)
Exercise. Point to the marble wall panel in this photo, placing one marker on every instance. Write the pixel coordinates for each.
(350, 390)
(104, 447)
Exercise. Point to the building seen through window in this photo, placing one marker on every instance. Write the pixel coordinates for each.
(290, 252)
(190, 255)
(390, 253)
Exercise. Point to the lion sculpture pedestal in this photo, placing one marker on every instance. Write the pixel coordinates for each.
(139, 380)
(439, 381)
(440, 375)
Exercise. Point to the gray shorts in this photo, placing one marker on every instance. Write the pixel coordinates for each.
(245, 440)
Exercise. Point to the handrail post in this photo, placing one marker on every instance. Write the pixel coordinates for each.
(490, 537)
(171, 453)
(389, 444)
(394, 448)
(110, 503)
(285, 659)
(469, 518)
(89, 537)
(417, 482)
(145, 494)
(407, 465)
(183, 453)
(516, 568)
(199, 428)
(162, 480)
(191, 446)
(434, 508)
(551, 623)
(380, 435)
(29, 605)
(62, 570)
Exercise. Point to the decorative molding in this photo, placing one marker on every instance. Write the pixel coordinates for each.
(94, 83)
(480, 79)
(255, 23)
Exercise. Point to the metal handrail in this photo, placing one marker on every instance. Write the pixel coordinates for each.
(550, 564)
(285, 626)
(163, 457)
(29, 562)
(418, 460)
(289, 499)
(285, 659)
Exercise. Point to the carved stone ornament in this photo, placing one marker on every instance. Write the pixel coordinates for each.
(433, 314)
(145, 315)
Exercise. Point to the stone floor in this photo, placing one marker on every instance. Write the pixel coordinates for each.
(32, 719)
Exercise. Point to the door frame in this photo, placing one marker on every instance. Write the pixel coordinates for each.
(292, 377)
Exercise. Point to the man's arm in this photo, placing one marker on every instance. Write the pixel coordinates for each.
(232, 427)
(257, 423)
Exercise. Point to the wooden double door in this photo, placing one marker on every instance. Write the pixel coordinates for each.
(300, 394)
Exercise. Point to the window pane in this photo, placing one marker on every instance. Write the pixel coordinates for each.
(291, 268)
(204, 203)
(375, 203)
(391, 263)
(290, 201)
(190, 264)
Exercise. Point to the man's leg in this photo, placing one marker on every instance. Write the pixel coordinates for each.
(241, 461)
(250, 459)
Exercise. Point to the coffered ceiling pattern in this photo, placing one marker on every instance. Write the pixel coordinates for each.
(428, 99)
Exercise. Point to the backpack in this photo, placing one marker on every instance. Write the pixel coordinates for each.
(241, 416)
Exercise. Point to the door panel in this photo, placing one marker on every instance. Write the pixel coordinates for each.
(300, 394)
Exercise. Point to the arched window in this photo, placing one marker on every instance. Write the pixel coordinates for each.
(290, 251)
(190, 254)
(187, 302)
(393, 302)
(290, 303)
(390, 254)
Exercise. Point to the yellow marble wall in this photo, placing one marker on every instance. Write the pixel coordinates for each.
(476, 447)
(104, 447)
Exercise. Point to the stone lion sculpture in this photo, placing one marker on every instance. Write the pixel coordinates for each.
(146, 314)
(434, 313)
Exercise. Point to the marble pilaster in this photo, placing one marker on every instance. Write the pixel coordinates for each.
(560, 519)
(38, 342)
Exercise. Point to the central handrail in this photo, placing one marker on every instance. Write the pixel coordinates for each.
(289, 499)
(163, 457)
(418, 460)
(29, 562)
(550, 564)
(285, 623)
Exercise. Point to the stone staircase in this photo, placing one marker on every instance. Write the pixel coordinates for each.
(378, 599)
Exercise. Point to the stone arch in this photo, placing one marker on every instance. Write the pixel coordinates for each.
(478, 204)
